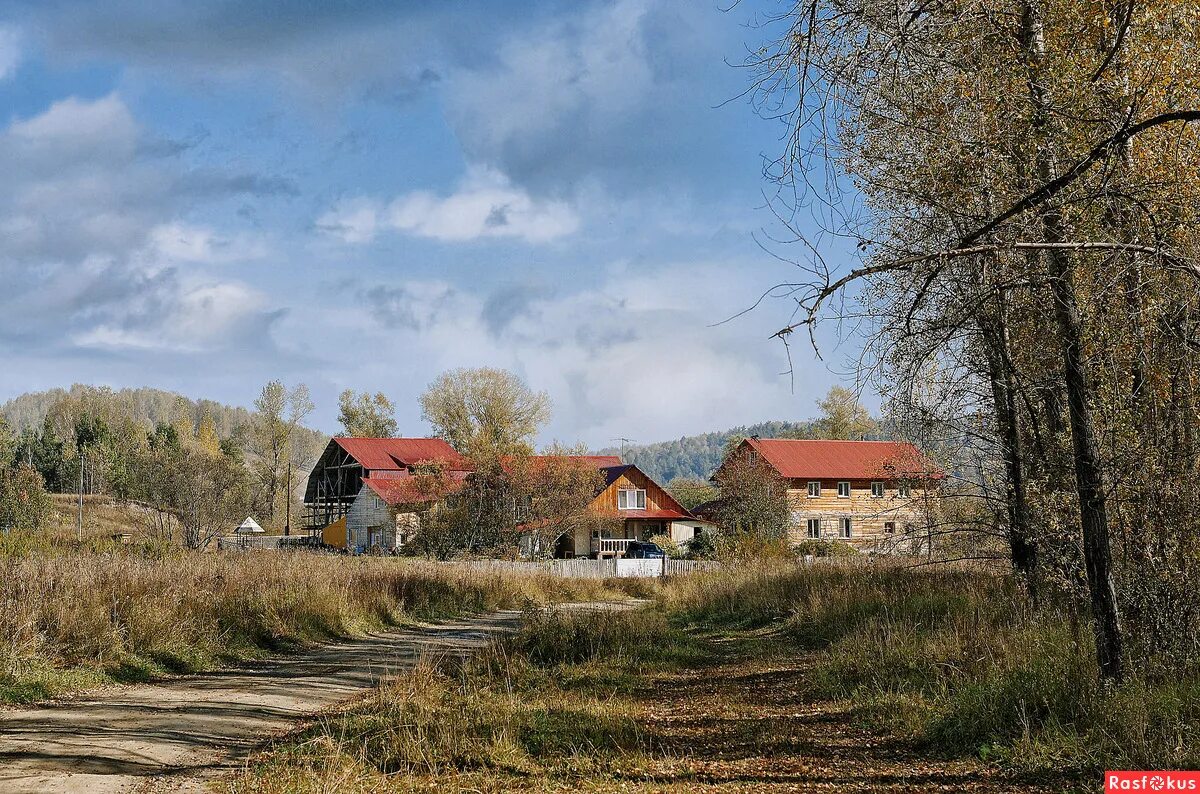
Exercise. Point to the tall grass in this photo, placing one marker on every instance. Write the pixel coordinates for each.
(124, 614)
(960, 660)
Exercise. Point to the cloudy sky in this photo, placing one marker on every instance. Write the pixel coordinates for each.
(201, 195)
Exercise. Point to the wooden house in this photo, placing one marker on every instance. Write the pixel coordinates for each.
(631, 507)
(872, 494)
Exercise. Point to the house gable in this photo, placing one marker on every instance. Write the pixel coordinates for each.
(659, 503)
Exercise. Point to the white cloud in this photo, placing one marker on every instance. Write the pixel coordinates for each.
(634, 356)
(197, 318)
(190, 244)
(94, 246)
(484, 205)
(10, 51)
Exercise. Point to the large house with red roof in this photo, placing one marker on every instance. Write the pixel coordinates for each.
(366, 493)
(867, 493)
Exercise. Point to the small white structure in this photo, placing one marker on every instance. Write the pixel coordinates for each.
(249, 527)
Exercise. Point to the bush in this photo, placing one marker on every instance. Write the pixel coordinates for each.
(673, 549)
(824, 548)
(751, 548)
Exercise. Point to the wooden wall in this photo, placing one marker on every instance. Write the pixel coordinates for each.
(366, 513)
(656, 498)
(867, 513)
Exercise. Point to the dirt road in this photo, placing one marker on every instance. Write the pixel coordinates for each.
(173, 735)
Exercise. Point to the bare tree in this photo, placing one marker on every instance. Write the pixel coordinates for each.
(1025, 239)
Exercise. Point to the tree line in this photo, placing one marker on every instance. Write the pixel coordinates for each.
(196, 481)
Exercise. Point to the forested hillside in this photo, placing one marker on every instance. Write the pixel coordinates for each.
(197, 466)
(698, 456)
(144, 405)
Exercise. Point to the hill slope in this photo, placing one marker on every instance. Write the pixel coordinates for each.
(698, 456)
(146, 406)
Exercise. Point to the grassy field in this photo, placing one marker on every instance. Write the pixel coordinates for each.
(851, 679)
(74, 618)
(102, 518)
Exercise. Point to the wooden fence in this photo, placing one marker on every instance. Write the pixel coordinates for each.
(610, 568)
(273, 542)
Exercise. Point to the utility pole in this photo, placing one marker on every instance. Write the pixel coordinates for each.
(287, 494)
(79, 526)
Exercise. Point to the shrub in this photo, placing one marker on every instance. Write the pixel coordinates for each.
(824, 548)
(673, 549)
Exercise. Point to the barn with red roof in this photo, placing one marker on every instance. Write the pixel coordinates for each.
(357, 483)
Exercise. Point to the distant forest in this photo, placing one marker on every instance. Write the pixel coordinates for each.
(146, 406)
(698, 456)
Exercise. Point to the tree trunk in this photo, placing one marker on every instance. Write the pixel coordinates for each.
(1089, 475)
(1020, 539)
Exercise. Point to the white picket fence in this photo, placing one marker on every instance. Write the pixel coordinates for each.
(610, 568)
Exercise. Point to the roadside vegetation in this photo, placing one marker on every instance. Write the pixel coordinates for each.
(844, 675)
(78, 617)
(961, 662)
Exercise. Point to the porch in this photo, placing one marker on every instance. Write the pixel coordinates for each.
(614, 542)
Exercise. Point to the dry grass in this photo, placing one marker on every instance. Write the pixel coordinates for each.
(548, 709)
(73, 619)
(960, 661)
(856, 678)
(103, 517)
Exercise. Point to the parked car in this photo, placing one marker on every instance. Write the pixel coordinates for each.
(644, 550)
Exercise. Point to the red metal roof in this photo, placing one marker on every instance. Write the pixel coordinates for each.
(598, 461)
(415, 490)
(654, 514)
(398, 453)
(847, 460)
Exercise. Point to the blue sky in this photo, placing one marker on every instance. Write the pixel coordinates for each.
(203, 196)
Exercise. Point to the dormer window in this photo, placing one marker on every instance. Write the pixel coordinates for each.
(631, 499)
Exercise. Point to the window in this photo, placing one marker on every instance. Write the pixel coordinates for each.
(630, 499)
(902, 490)
(877, 489)
(844, 489)
(814, 488)
(889, 527)
(845, 522)
(814, 527)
